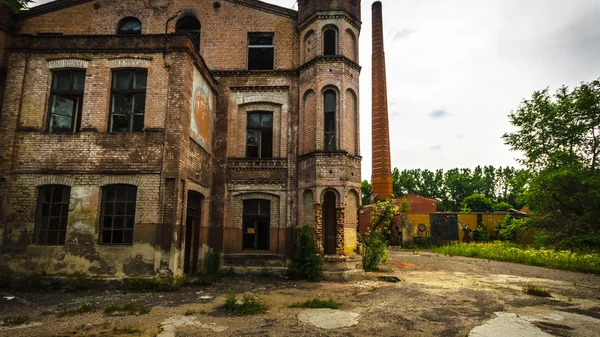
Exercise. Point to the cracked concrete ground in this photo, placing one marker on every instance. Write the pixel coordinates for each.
(437, 296)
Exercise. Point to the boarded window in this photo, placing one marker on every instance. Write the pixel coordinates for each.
(52, 215)
(191, 26)
(256, 226)
(128, 100)
(259, 135)
(66, 97)
(129, 25)
(330, 102)
(261, 51)
(329, 42)
(118, 214)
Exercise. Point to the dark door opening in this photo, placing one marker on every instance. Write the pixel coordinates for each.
(329, 224)
(192, 233)
(256, 224)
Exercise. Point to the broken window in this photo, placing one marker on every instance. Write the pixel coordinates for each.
(256, 224)
(129, 25)
(118, 214)
(259, 135)
(52, 215)
(261, 51)
(128, 100)
(330, 102)
(66, 97)
(191, 26)
(329, 42)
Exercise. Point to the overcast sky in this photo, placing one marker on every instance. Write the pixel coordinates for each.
(455, 69)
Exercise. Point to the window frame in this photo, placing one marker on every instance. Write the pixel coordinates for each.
(261, 131)
(106, 193)
(333, 146)
(63, 217)
(123, 21)
(260, 46)
(70, 93)
(255, 219)
(132, 92)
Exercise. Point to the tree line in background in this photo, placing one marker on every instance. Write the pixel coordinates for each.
(17, 5)
(481, 189)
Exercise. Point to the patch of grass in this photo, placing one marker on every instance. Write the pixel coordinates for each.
(127, 331)
(130, 308)
(536, 291)
(316, 303)
(250, 305)
(504, 251)
(79, 310)
(189, 312)
(15, 320)
(158, 284)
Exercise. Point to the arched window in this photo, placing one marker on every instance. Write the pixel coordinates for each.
(329, 105)
(129, 25)
(329, 42)
(189, 25)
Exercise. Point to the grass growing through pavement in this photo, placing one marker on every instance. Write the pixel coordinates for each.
(16, 320)
(130, 308)
(316, 303)
(82, 309)
(250, 305)
(536, 291)
(504, 251)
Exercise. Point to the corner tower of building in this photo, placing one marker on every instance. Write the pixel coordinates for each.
(381, 162)
(329, 154)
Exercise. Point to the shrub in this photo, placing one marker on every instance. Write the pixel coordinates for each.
(250, 305)
(477, 202)
(82, 309)
(306, 262)
(502, 206)
(510, 228)
(536, 291)
(375, 251)
(480, 234)
(316, 303)
(212, 262)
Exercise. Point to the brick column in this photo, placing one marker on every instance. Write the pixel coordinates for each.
(381, 177)
(339, 248)
(319, 227)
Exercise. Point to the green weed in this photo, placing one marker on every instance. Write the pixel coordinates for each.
(250, 305)
(536, 291)
(130, 308)
(80, 310)
(15, 320)
(316, 303)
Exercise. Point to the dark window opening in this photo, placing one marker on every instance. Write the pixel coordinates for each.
(256, 224)
(66, 98)
(52, 215)
(191, 26)
(259, 135)
(129, 25)
(128, 100)
(261, 51)
(329, 120)
(329, 42)
(118, 214)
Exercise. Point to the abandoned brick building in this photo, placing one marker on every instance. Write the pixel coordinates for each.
(136, 134)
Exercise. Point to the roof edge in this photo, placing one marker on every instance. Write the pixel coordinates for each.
(60, 4)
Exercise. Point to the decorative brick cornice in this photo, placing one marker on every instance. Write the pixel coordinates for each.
(256, 164)
(329, 154)
(129, 62)
(260, 88)
(257, 182)
(119, 180)
(244, 72)
(330, 59)
(53, 180)
(68, 63)
(324, 16)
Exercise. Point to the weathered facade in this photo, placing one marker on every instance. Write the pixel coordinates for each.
(135, 135)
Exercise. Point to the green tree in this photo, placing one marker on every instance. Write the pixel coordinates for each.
(477, 202)
(17, 5)
(375, 250)
(367, 191)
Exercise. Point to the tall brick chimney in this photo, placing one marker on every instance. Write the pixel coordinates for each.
(381, 178)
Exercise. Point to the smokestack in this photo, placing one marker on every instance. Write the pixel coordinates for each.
(381, 177)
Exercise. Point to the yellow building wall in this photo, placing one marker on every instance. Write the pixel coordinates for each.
(491, 221)
(414, 219)
(464, 219)
(350, 241)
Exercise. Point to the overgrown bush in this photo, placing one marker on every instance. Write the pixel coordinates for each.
(510, 228)
(212, 262)
(250, 305)
(375, 246)
(316, 303)
(480, 234)
(306, 262)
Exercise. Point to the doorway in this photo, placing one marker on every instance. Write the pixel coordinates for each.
(256, 224)
(329, 224)
(193, 222)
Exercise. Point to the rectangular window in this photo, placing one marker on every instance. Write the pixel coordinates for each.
(118, 214)
(261, 51)
(128, 100)
(52, 215)
(256, 224)
(259, 135)
(66, 97)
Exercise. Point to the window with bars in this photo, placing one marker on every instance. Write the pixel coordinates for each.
(128, 100)
(118, 214)
(259, 135)
(129, 26)
(261, 51)
(52, 215)
(66, 97)
(330, 102)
